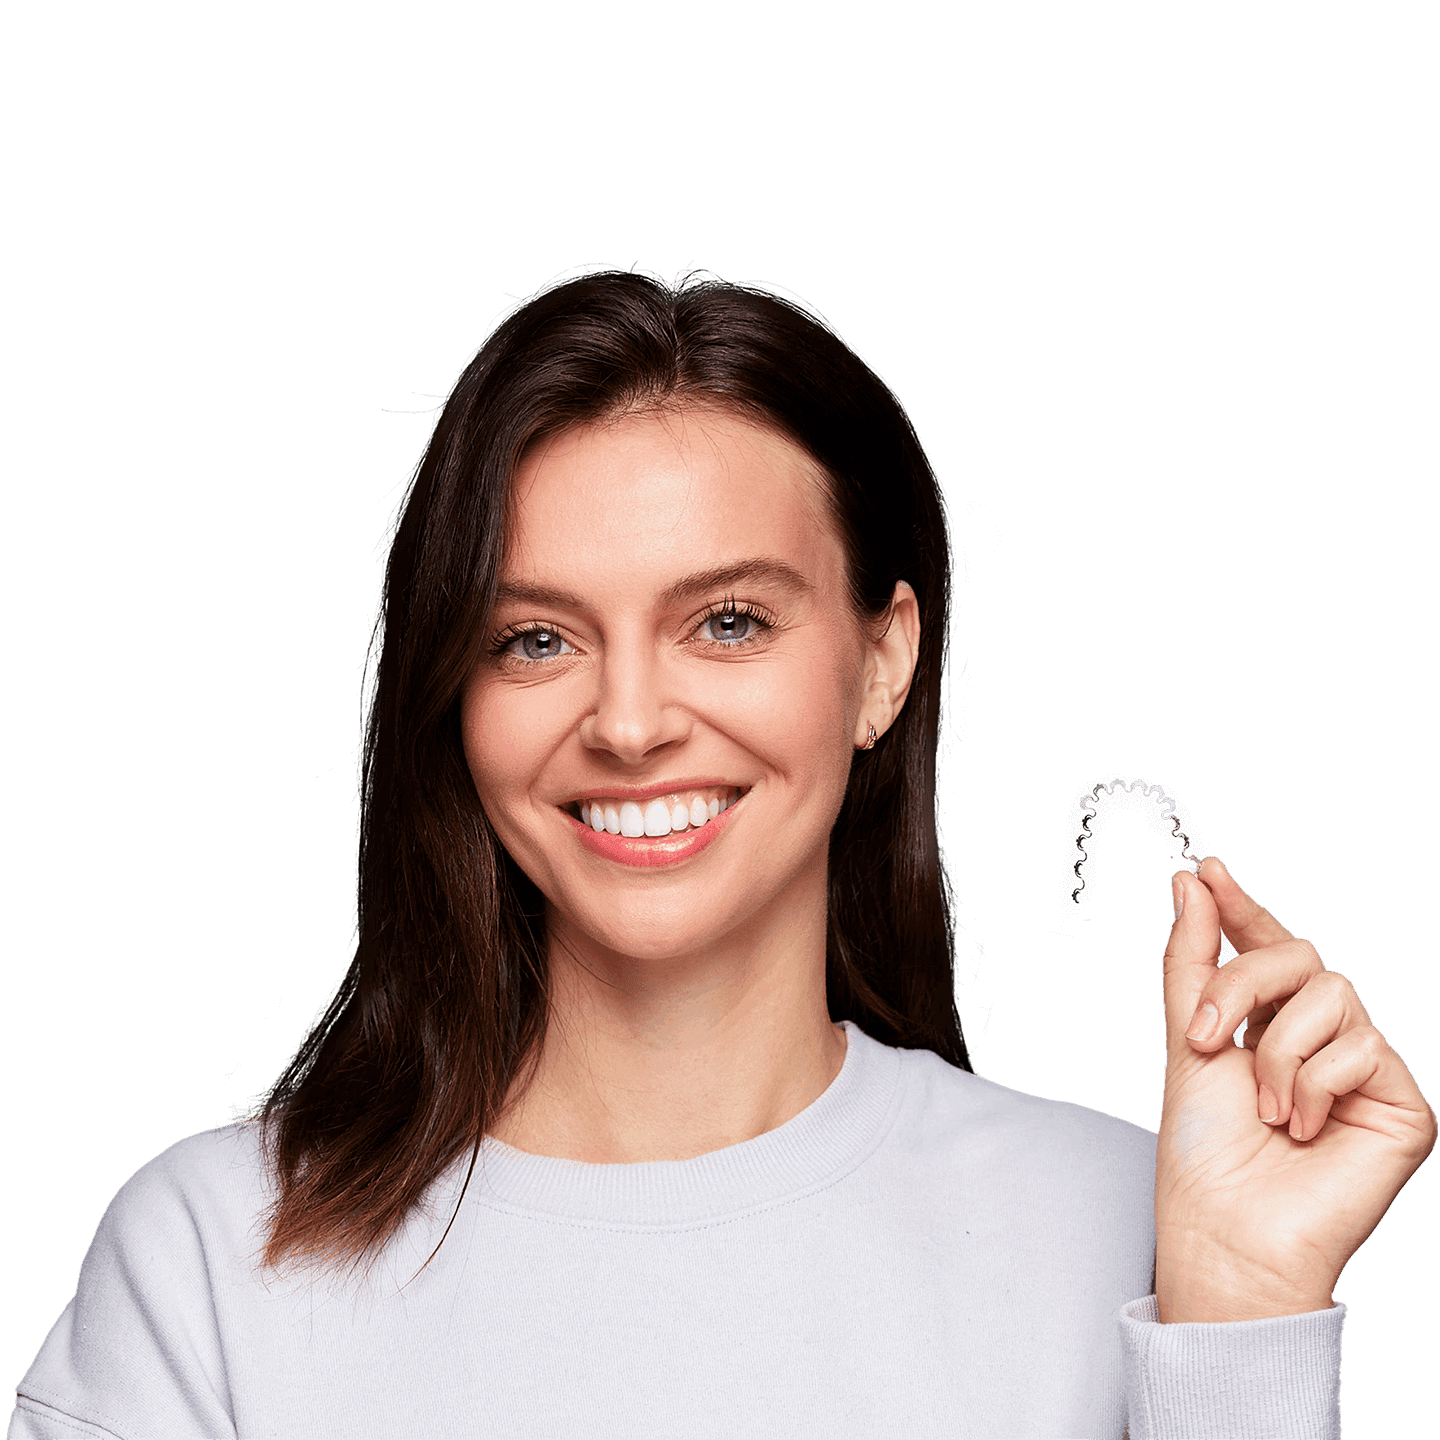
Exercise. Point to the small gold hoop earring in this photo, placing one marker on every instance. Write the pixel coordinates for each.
(870, 737)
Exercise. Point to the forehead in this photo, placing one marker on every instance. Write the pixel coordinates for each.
(675, 490)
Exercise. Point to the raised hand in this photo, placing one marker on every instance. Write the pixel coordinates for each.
(1279, 1156)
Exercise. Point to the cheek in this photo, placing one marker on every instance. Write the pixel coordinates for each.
(507, 732)
(797, 712)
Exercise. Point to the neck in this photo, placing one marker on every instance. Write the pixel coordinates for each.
(670, 1058)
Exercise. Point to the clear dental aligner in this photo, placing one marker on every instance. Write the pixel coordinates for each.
(664, 815)
(1091, 809)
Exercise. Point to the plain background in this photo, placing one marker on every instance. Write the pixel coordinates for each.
(1156, 283)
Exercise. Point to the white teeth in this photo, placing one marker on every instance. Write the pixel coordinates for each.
(657, 818)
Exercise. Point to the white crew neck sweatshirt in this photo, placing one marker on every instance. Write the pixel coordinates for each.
(920, 1252)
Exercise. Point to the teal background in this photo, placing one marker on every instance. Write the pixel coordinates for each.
(1156, 284)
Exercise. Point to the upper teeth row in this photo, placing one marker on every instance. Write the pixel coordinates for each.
(661, 816)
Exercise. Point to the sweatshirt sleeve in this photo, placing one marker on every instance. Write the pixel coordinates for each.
(136, 1355)
(1273, 1379)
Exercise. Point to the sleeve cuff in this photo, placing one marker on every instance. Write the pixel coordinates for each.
(1235, 1380)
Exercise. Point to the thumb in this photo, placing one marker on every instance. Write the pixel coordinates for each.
(1191, 957)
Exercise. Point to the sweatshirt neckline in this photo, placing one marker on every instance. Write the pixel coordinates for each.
(829, 1136)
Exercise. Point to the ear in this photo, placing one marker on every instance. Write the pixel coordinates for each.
(890, 665)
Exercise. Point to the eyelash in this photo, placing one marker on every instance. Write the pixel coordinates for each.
(763, 623)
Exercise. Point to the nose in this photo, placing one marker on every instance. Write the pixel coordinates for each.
(636, 711)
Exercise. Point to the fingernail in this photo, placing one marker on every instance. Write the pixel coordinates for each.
(1178, 886)
(1203, 1023)
(1269, 1106)
(1297, 1126)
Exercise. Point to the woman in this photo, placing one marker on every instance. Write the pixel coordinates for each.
(645, 1108)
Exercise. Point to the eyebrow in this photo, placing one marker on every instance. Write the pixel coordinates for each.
(762, 570)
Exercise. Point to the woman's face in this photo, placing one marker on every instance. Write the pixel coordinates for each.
(673, 658)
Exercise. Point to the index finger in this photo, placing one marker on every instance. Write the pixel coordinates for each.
(1247, 925)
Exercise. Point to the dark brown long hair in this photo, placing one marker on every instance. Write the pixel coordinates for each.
(446, 1002)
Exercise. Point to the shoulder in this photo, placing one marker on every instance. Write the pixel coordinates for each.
(142, 1339)
(182, 1223)
(211, 1186)
(967, 1119)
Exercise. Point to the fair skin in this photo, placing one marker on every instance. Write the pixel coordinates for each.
(1277, 1156)
(688, 1007)
(688, 968)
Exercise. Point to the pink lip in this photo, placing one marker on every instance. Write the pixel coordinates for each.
(663, 850)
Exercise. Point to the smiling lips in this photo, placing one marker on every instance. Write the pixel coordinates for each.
(664, 815)
(660, 830)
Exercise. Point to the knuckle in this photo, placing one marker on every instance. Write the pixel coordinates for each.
(1309, 954)
(1364, 1043)
(1276, 1060)
(1332, 982)
(1372, 1042)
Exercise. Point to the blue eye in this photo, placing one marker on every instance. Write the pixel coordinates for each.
(729, 627)
(539, 645)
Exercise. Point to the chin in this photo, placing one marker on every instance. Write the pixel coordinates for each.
(651, 932)
(646, 938)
